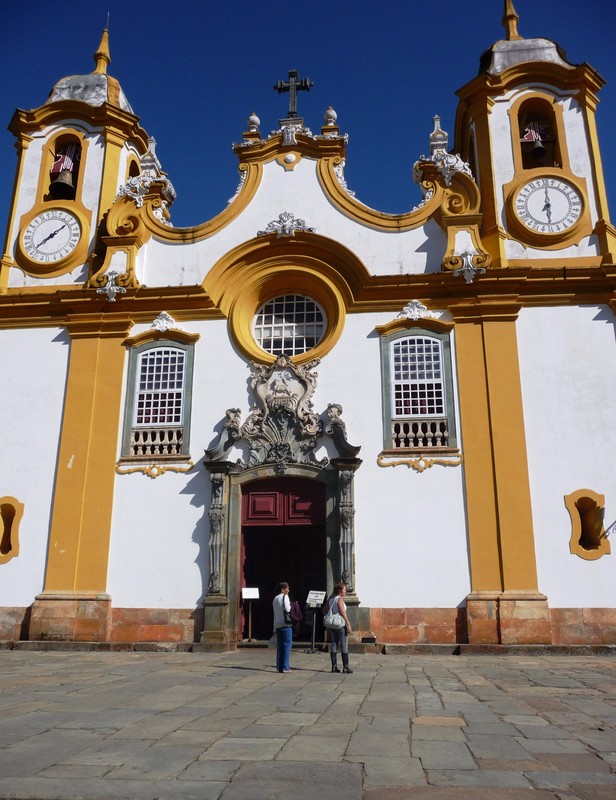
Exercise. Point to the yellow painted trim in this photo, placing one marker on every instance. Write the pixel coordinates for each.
(501, 539)
(546, 241)
(83, 495)
(114, 143)
(49, 150)
(6, 263)
(596, 164)
(154, 470)
(575, 548)
(555, 105)
(78, 256)
(419, 463)
(263, 268)
(18, 509)
(515, 523)
(404, 323)
(103, 116)
(174, 334)
(481, 505)
(124, 216)
(461, 197)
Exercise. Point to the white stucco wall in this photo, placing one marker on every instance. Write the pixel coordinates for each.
(568, 370)
(34, 364)
(410, 544)
(299, 192)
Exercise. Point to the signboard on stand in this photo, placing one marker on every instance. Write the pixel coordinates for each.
(250, 594)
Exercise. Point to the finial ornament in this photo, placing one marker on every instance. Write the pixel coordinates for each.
(330, 117)
(102, 57)
(510, 21)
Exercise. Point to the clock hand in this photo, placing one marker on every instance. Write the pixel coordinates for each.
(51, 235)
(547, 206)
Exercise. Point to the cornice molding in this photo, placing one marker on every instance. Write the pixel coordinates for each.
(108, 116)
(359, 292)
(582, 78)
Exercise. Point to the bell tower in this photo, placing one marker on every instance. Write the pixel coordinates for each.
(526, 125)
(74, 153)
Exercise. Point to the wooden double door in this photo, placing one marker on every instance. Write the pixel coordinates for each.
(283, 539)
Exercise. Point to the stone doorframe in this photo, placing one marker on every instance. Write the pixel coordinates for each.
(280, 437)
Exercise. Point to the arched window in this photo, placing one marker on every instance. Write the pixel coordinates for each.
(418, 391)
(537, 135)
(64, 170)
(158, 401)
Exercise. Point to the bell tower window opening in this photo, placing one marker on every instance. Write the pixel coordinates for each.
(64, 170)
(289, 325)
(537, 135)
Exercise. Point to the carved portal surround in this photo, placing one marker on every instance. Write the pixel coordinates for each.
(279, 437)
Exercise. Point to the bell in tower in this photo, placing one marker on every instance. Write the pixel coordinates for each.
(63, 172)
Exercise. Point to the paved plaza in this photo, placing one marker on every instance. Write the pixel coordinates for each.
(140, 726)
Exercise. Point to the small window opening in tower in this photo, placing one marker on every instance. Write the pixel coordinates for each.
(538, 140)
(64, 171)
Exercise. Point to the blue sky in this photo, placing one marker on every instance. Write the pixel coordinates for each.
(193, 72)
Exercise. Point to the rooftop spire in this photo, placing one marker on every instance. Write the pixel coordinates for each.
(510, 21)
(102, 57)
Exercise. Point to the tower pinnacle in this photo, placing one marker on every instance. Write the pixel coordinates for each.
(102, 57)
(510, 21)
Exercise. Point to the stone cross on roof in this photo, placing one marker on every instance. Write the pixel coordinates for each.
(294, 85)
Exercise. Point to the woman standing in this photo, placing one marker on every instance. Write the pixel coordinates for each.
(340, 638)
(282, 625)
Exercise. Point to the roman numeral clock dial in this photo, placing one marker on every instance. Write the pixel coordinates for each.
(51, 236)
(548, 206)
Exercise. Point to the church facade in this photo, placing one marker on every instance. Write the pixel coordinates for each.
(306, 389)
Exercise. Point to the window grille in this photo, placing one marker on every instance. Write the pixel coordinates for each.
(289, 325)
(160, 394)
(417, 378)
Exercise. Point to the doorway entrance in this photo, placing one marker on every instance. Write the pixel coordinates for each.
(283, 539)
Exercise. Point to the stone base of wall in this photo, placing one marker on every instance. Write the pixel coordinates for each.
(496, 620)
(583, 625)
(508, 618)
(156, 625)
(14, 623)
(70, 617)
(417, 625)
(485, 621)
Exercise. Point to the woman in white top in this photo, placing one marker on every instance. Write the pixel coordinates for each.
(340, 638)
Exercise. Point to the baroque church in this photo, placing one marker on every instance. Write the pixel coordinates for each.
(303, 388)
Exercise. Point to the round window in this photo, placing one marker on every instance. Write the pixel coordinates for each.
(289, 325)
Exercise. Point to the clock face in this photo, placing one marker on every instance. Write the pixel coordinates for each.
(548, 205)
(51, 236)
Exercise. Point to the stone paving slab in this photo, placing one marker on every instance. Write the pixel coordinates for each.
(478, 777)
(225, 726)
